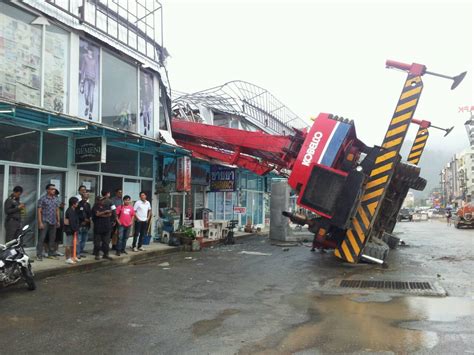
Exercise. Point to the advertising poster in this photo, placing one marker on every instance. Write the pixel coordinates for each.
(183, 174)
(146, 104)
(222, 178)
(89, 62)
(55, 73)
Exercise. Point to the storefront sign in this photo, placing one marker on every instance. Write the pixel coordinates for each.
(90, 150)
(222, 179)
(183, 174)
(240, 210)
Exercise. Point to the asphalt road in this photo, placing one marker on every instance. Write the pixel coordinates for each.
(220, 301)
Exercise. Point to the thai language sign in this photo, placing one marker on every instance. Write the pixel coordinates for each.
(222, 178)
(183, 174)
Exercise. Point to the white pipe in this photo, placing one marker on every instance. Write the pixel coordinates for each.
(370, 258)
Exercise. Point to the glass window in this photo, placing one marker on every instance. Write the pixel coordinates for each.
(19, 144)
(119, 93)
(146, 165)
(163, 108)
(147, 188)
(89, 68)
(55, 72)
(121, 161)
(57, 178)
(146, 104)
(90, 167)
(20, 56)
(55, 149)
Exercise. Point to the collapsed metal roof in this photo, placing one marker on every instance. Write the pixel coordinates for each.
(241, 99)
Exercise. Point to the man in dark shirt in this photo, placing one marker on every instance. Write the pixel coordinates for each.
(13, 210)
(102, 227)
(84, 213)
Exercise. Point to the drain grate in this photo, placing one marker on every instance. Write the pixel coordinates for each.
(387, 285)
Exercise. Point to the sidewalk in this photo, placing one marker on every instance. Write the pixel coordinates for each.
(51, 267)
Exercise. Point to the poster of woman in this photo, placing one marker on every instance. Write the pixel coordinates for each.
(146, 104)
(89, 80)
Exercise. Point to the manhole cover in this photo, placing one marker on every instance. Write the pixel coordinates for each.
(387, 285)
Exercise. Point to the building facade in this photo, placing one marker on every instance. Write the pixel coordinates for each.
(82, 101)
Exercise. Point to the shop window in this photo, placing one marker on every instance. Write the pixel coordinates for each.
(19, 144)
(163, 108)
(20, 55)
(146, 165)
(146, 104)
(55, 149)
(121, 161)
(55, 72)
(89, 70)
(119, 93)
(89, 167)
(147, 188)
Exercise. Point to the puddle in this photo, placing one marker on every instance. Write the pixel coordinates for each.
(339, 324)
(205, 326)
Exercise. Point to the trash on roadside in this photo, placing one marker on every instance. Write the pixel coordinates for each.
(188, 258)
(286, 249)
(164, 264)
(165, 268)
(254, 253)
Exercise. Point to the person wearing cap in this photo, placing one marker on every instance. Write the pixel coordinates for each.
(13, 210)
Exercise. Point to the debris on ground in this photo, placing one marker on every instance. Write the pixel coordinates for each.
(164, 264)
(286, 249)
(188, 258)
(254, 253)
(286, 244)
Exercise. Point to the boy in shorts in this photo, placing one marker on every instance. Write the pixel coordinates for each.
(71, 227)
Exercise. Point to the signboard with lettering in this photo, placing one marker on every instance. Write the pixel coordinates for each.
(240, 210)
(222, 178)
(183, 174)
(90, 150)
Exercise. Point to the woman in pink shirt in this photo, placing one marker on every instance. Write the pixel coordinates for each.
(125, 217)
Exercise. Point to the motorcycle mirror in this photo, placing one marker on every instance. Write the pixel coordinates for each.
(25, 228)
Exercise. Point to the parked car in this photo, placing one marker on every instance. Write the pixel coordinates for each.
(464, 216)
(405, 215)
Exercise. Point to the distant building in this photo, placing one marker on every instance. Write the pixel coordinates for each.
(409, 200)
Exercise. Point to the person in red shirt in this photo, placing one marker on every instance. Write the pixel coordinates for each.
(125, 217)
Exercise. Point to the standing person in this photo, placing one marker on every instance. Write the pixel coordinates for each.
(13, 210)
(102, 226)
(71, 227)
(84, 213)
(142, 216)
(81, 191)
(125, 217)
(48, 221)
(448, 217)
(116, 201)
(87, 75)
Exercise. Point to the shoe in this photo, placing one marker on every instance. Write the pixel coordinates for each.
(58, 254)
(141, 249)
(97, 257)
(83, 256)
(117, 253)
(107, 257)
(70, 261)
(53, 257)
(124, 252)
(77, 260)
(39, 258)
(135, 249)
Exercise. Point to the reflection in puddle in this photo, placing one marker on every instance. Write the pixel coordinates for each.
(338, 324)
(205, 326)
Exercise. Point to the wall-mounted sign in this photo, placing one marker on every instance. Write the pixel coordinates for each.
(183, 174)
(90, 150)
(222, 178)
(240, 210)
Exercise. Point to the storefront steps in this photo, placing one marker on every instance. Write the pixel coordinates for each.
(51, 267)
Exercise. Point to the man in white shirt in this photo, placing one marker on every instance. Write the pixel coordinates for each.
(142, 217)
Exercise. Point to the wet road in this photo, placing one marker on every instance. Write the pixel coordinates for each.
(225, 302)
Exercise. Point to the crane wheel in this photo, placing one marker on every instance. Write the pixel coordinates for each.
(391, 240)
(419, 184)
(378, 250)
(407, 172)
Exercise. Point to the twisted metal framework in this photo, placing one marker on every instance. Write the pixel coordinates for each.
(243, 99)
(469, 124)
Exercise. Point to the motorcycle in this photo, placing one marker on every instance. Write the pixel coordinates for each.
(15, 263)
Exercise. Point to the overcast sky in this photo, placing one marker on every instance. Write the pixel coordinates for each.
(328, 56)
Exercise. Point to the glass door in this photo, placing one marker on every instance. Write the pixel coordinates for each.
(28, 179)
(91, 182)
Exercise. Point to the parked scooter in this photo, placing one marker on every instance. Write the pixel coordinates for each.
(15, 263)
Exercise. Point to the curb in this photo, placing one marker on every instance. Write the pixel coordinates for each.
(97, 264)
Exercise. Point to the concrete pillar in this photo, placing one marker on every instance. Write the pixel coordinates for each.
(280, 200)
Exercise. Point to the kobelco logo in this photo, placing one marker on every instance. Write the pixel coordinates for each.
(308, 157)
